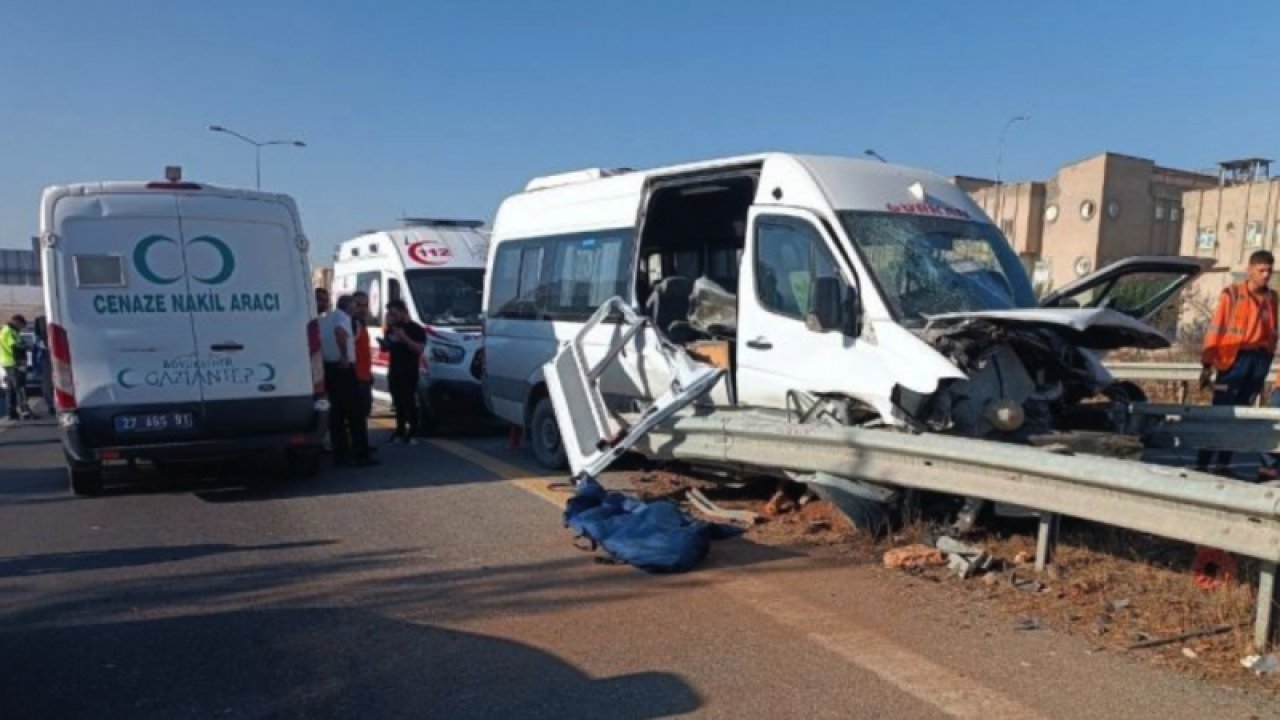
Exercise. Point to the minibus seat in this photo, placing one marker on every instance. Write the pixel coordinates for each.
(712, 309)
(668, 307)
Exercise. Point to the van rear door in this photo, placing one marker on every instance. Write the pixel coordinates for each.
(118, 262)
(250, 307)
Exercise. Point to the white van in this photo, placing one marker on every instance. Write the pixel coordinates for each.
(880, 287)
(437, 267)
(181, 325)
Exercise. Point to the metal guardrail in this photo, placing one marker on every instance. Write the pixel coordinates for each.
(1180, 504)
(1168, 371)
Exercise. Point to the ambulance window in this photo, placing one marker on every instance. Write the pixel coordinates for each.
(98, 271)
(393, 289)
(370, 283)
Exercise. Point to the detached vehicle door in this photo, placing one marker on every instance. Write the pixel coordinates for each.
(248, 301)
(1139, 287)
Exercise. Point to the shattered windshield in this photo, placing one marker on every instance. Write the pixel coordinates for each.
(447, 297)
(928, 265)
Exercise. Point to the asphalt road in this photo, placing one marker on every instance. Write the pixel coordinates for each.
(442, 585)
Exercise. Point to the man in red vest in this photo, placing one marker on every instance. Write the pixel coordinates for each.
(1240, 344)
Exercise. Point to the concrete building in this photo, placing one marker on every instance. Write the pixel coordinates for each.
(1090, 213)
(20, 286)
(1227, 222)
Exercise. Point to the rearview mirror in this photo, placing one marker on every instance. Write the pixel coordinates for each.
(852, 319)
(825, 310)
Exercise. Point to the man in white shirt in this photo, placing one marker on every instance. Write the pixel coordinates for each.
(348, 426)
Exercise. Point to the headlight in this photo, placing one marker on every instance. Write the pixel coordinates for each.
(1005, 415)
(447, 354)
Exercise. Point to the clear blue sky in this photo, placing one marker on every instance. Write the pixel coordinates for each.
(442, 108)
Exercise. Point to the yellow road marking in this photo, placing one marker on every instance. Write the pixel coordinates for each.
(539, 485)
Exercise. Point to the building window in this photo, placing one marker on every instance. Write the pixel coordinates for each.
(1207, 239)
(1006, 227)
(1088, 209)
(1159, 210)
(1051, 213)
(1113, 209)
(1276, 240)
(1175, 213)
(1253, 234)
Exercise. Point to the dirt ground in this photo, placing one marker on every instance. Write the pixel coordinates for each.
(1114, 589)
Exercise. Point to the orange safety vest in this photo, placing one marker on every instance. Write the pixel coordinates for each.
(1236, 320)
(364, 355)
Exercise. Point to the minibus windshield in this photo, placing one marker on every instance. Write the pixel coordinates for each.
(926, 265)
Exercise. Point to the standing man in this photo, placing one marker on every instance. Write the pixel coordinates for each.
(348, 431)
(404, 340)
(1240, 345)
(11, 352)
(364, 353)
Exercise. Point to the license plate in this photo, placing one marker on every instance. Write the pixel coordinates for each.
(154, 422)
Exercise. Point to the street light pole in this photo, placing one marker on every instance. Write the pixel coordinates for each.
(999, 165)
(257, 149)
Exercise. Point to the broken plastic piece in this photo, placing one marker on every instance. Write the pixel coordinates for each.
(704, 505)
(1261, 664)
(965, 560)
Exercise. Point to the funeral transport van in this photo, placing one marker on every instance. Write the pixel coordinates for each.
(181, 325)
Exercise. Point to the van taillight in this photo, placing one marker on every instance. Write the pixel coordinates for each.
(64, 382)
(317, 358)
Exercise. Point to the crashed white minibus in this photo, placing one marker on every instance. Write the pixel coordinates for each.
(882, 289)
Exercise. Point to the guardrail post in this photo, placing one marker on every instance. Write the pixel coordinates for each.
(1266, 606)
(1046, 539)
(1183, 392)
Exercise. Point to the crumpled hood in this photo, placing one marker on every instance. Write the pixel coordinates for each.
(1091, 328)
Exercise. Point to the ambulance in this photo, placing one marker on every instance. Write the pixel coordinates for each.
(181, 325)
(437, 268)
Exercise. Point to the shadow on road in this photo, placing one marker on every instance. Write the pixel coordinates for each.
(51, 563)
(392, 581)
(313, 663)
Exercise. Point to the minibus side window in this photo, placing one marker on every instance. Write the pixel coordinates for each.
(789, 257)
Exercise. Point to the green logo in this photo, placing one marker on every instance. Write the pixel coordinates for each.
(142, 252)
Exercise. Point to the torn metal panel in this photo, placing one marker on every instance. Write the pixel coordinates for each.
(592, 438)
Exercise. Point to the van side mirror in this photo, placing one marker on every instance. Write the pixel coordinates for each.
(852, 316)
(826, 312)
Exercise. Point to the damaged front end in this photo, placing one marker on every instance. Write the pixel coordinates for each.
(1031, 374)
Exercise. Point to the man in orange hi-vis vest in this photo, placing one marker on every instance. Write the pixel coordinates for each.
(1240, 344)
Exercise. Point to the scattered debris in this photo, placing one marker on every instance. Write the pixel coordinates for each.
(1029, 585)
(1027, 623)
(965, 560)
(913, 556)
(779, 504)
(703, 505)
(1053, 572)
(1022, 558)
(1189, 653)
(1115, 606)
(990, 579)
(1146, 640)
(1261, 664)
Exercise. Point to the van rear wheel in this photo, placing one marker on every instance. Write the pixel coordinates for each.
(547, 445)
(86, 478)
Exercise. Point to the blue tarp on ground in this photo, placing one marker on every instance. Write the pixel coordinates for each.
(657, 537)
